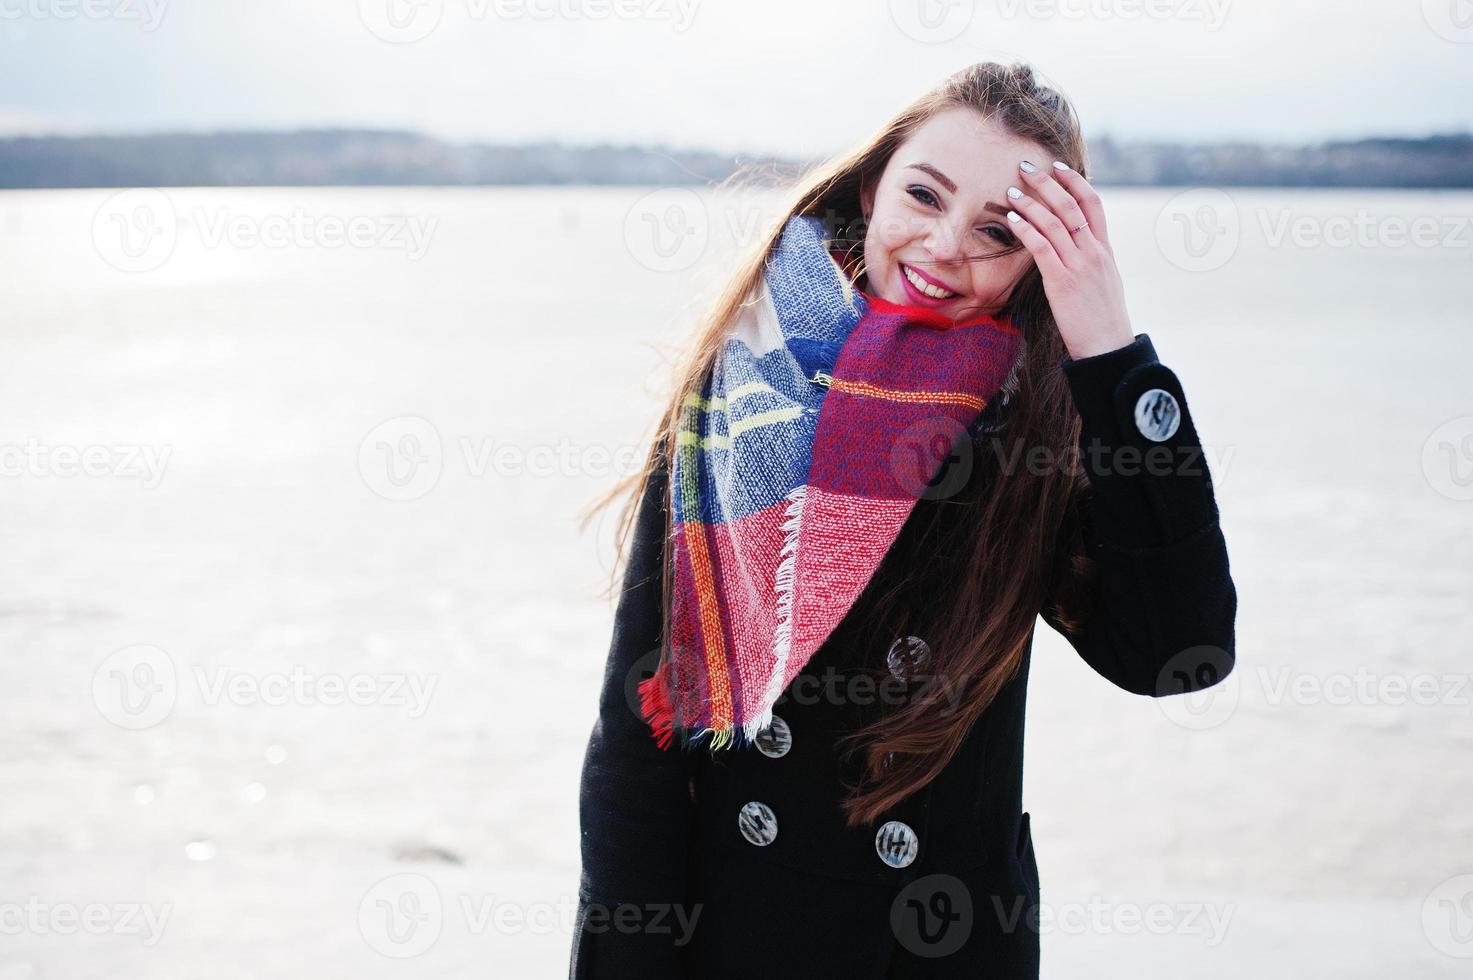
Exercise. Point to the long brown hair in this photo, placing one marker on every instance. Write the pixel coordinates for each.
(1023, 545)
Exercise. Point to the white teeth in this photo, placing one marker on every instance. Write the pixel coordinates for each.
(935, 292)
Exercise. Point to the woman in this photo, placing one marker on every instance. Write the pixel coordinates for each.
(839, 626)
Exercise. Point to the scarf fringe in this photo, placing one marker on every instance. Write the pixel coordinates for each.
(784, 584)
(655, 706)
(654, 698)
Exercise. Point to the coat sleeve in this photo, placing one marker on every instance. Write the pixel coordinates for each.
(1155, 613)
(635, 799)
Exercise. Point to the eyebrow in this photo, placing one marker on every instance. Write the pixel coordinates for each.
(947, 182)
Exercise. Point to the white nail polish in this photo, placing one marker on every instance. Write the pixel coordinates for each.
(1014, 217)
(1060, 165)
(1014, 193)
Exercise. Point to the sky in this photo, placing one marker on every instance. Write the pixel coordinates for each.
(788, 77)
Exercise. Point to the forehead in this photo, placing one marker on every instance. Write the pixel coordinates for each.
(977, 153)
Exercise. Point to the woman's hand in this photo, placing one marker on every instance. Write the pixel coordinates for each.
(1078, 267)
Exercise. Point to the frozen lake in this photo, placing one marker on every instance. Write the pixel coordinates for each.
(257, 667)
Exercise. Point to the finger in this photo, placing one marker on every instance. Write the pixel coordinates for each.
(1059, 200)
(1087, 197)
(1038, 246)
(1043, 219)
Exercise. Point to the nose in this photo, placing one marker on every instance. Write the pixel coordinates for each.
(944, 241)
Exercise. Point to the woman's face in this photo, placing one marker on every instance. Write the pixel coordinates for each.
(941, 201)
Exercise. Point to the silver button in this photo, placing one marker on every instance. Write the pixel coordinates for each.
(758, 823)
(775, 740)
(1157, 414)
(896, 844)
(906, 654)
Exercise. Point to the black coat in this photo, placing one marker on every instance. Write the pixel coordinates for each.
(674, 885)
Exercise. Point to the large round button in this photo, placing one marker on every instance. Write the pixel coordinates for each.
(906, 654)
(774, 740)
(896, 844)
(1157, 414)
(758, 823)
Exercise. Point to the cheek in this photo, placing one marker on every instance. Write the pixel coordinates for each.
(876, 255)
(889, 228)
(996, 278)
(1000, 273)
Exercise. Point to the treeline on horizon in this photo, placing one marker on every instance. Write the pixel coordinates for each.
(343, 157)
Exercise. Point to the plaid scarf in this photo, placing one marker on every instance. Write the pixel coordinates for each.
(823, 420)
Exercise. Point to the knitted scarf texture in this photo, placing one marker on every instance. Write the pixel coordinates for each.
(824, 418)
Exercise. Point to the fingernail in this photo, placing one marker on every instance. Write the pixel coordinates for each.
(1060, 165)
(1014, 193)
(1027, 167)
(1014, 217)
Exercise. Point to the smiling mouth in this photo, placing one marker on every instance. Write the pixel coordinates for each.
(925, 286)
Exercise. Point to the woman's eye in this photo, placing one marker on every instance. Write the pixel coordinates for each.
(1000, 235)
(917, 192)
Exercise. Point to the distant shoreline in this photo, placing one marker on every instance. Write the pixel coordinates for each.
(394, 158)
